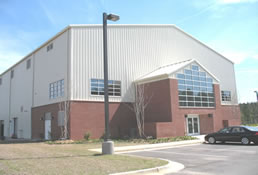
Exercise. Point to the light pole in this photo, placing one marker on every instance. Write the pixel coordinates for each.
(107, 145)
(256, 92)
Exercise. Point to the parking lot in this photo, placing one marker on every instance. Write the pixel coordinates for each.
(210, 159)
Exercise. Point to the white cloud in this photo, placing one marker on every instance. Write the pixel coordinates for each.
(236, 56)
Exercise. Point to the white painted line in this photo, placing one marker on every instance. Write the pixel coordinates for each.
(190, 154)
(227, 150)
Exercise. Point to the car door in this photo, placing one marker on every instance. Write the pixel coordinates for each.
(236, 134)
(239, 132)
(224, 134)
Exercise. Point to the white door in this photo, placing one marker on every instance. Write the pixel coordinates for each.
(192, 124)
(47, 129)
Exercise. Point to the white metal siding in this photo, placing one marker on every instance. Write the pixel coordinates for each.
(21, 98)
(50, 67)
(4, 101)
(134, 51)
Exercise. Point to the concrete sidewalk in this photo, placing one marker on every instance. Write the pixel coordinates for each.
(200, 139)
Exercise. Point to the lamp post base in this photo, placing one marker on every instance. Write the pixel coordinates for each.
(108, 147)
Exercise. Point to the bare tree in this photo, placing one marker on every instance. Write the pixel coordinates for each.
(141, 101)
(64, 107)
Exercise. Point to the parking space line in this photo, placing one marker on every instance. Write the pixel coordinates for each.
(227, 150)
(192, 154)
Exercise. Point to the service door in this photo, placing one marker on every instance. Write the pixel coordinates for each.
(47, 129)
(1, 129)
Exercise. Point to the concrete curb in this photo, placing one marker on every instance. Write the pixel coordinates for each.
(171, 167)
(150, 146)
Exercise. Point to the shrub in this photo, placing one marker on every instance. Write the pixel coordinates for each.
(87, 136)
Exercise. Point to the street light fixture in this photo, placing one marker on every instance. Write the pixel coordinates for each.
(107, 145)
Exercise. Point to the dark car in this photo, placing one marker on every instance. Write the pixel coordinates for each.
(243, 134)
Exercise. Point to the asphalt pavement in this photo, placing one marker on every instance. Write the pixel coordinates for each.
(209, 159)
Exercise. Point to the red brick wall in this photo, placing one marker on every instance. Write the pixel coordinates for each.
(89, 117)
(158, 108)
(166, 96)
(163, 116)
(206, 124)
(38, 122)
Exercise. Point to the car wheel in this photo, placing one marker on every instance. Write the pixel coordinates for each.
(245, 141)
(211, 140)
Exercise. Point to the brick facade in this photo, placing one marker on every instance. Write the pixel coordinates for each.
(210, 119)
(163, 116)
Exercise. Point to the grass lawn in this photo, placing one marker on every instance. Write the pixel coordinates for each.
(42, 159)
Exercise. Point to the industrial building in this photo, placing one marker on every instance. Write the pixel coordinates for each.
(192, 88)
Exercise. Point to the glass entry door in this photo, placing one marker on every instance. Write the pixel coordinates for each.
(192, 122)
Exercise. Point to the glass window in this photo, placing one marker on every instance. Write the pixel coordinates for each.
(181, 87)
(195, 88)
(12, 73)
(181, 81)
(188, 77)
(194, 67)
(202, 79)
(226, 95)
(49, 47)
(56, 89)
(188, 71)
(202, 74)
(28, 64)
(195, 73)
(182, 76)
(209, 80)
(97, 87)
(182, 92)
(196, 83)
(225, 130)
(188, 82)
(182, 98)
(196, 78)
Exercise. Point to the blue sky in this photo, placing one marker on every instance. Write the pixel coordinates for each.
(228, 26)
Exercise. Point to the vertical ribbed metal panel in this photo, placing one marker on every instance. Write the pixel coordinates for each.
(133, 51)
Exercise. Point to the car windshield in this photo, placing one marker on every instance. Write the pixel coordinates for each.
(251, 128)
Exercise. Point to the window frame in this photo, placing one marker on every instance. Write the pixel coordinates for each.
(197, 92)
(226, 97)
(56, 89)
(28, 64)
(113, 84)
(50, 47)
(12, 74)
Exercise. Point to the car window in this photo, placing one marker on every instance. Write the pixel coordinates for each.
(225, 130)
(238, 130)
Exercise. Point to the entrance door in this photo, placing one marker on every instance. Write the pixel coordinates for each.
(15, 126)
(47, 129)
(192, 122)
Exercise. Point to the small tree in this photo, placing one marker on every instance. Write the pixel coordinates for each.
(65, 107)
(141, 101)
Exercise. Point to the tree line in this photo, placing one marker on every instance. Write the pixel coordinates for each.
(249, 113)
